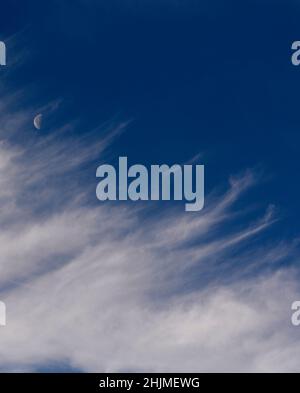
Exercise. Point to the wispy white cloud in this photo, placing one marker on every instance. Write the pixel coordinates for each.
(106, 287)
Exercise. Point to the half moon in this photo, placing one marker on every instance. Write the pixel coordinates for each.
(38, 121)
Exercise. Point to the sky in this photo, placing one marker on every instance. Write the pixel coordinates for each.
(122, 286)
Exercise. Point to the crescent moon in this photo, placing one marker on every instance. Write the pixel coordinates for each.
(38, 121)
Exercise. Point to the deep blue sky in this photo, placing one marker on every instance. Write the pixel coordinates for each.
(193, 76)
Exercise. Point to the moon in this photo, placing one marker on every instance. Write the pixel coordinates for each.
(38, 121)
